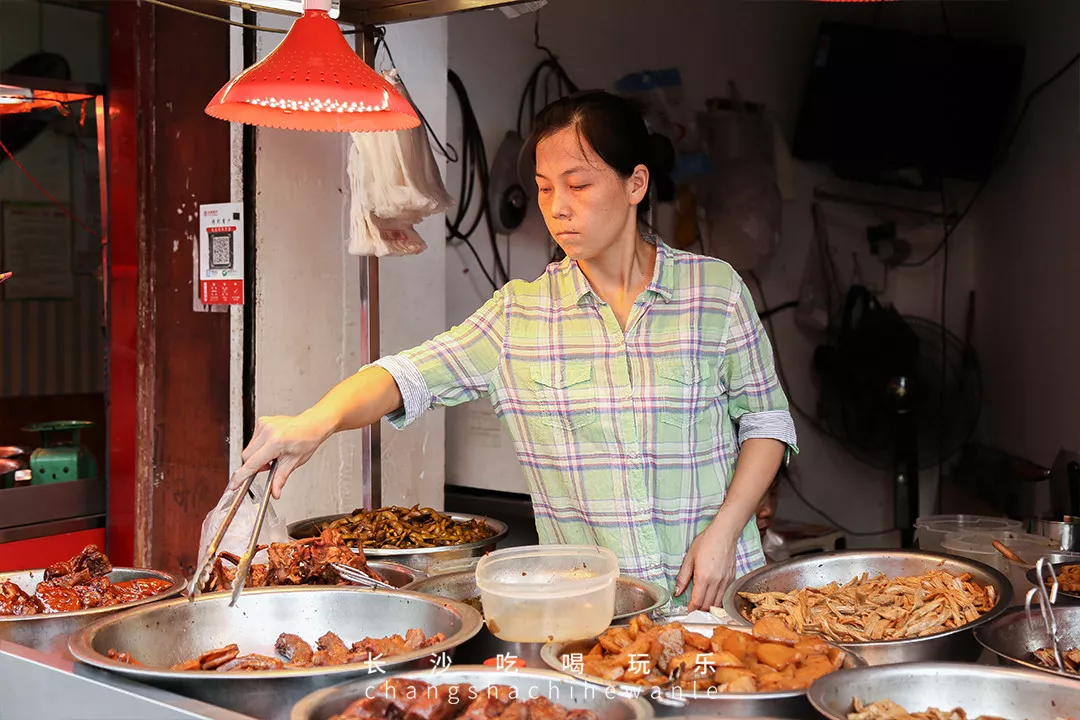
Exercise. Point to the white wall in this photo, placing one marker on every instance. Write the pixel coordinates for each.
(412, 289)
(765, 48)
(1029, 256)
(307, 331)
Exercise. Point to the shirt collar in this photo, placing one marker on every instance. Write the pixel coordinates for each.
(662, 283)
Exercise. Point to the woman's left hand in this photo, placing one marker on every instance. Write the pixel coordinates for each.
(710, 563)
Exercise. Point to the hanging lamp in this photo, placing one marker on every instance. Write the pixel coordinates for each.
(313, 80)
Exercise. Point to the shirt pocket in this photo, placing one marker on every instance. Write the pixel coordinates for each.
(687, 389)
(567, 394)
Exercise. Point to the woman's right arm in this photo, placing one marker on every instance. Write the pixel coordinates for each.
(356, 402)
(452, 368)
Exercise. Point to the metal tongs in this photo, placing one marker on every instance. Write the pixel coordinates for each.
(359, 577)
(245, 560)
(1046, 604)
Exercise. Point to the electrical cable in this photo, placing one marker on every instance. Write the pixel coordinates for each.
(47, 194)
(769, 312)
(208, 16)
(446, 150)
(780, 365)
(475, 180)
(556, 75)
(997, 164)
(799, 494)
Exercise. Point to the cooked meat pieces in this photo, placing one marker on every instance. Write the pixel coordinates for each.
(300, 562)
(1070, 658)
(13, 601)
(216, 658)
(873, 609)
(56, 598)
(294, 649)
(77, 584)
(409, 699)
(296, 653)
(134, 589)
(1069, 579)
(652, 655)
(252, 662)
(888, 710)
(331, 651)
(123, 657)
(90, 559)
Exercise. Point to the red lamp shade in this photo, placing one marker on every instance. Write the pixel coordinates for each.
(313, 80)
(15, 99)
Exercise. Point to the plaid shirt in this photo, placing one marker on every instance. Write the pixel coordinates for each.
(628, 440)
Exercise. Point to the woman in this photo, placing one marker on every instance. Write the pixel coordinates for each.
(636, 381)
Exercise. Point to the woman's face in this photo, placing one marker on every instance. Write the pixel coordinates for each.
(587, 206)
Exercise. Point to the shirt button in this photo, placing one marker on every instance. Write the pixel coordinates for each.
(558, 377)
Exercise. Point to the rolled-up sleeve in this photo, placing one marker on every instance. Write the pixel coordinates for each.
(756, 401)
(452, 368)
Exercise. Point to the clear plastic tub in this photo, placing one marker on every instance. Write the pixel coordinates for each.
(931, 531)
(979, 546)
(1030, 548)
(545, 593)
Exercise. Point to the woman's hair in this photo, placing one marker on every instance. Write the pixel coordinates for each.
(614, 127)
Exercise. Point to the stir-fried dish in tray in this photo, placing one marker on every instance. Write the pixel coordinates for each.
(417, 700)
(398, 528)
(1068, 579)
(1070, 658)
(888, 710)
(772, 659)
(878, 608)
(80, 583)
(299, 562)
(294, 653)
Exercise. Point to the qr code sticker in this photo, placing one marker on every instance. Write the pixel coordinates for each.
(221, 250)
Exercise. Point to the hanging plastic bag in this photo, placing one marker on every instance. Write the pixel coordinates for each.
(419, 169)
(394, 183)
(741, 196)
(236, 537)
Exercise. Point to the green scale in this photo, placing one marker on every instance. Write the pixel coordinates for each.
(63, 458)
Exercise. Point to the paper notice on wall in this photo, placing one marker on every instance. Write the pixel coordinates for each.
(221, 254)
(36, 240)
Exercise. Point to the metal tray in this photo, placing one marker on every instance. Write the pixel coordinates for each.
(49, 632)
(788, 703)
(418, 558)
(165, 633)
(977, 689)
(1057, 561)
(632, 596)
(1013, 639)
(957, 645)
(560, 689)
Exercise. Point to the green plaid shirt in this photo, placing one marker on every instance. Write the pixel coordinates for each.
(628, 439)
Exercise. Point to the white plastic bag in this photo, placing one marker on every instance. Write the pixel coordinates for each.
(394, 183)
(236, 537)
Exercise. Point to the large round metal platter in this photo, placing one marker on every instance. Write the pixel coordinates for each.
(1059, 561)
(419, 558)
(818, 570)
(49, 631)
(976, 689)
(1014, 638)
(528, 682)
(163, 634)
(788, 703)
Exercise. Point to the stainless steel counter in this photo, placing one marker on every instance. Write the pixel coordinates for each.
(36, 685)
